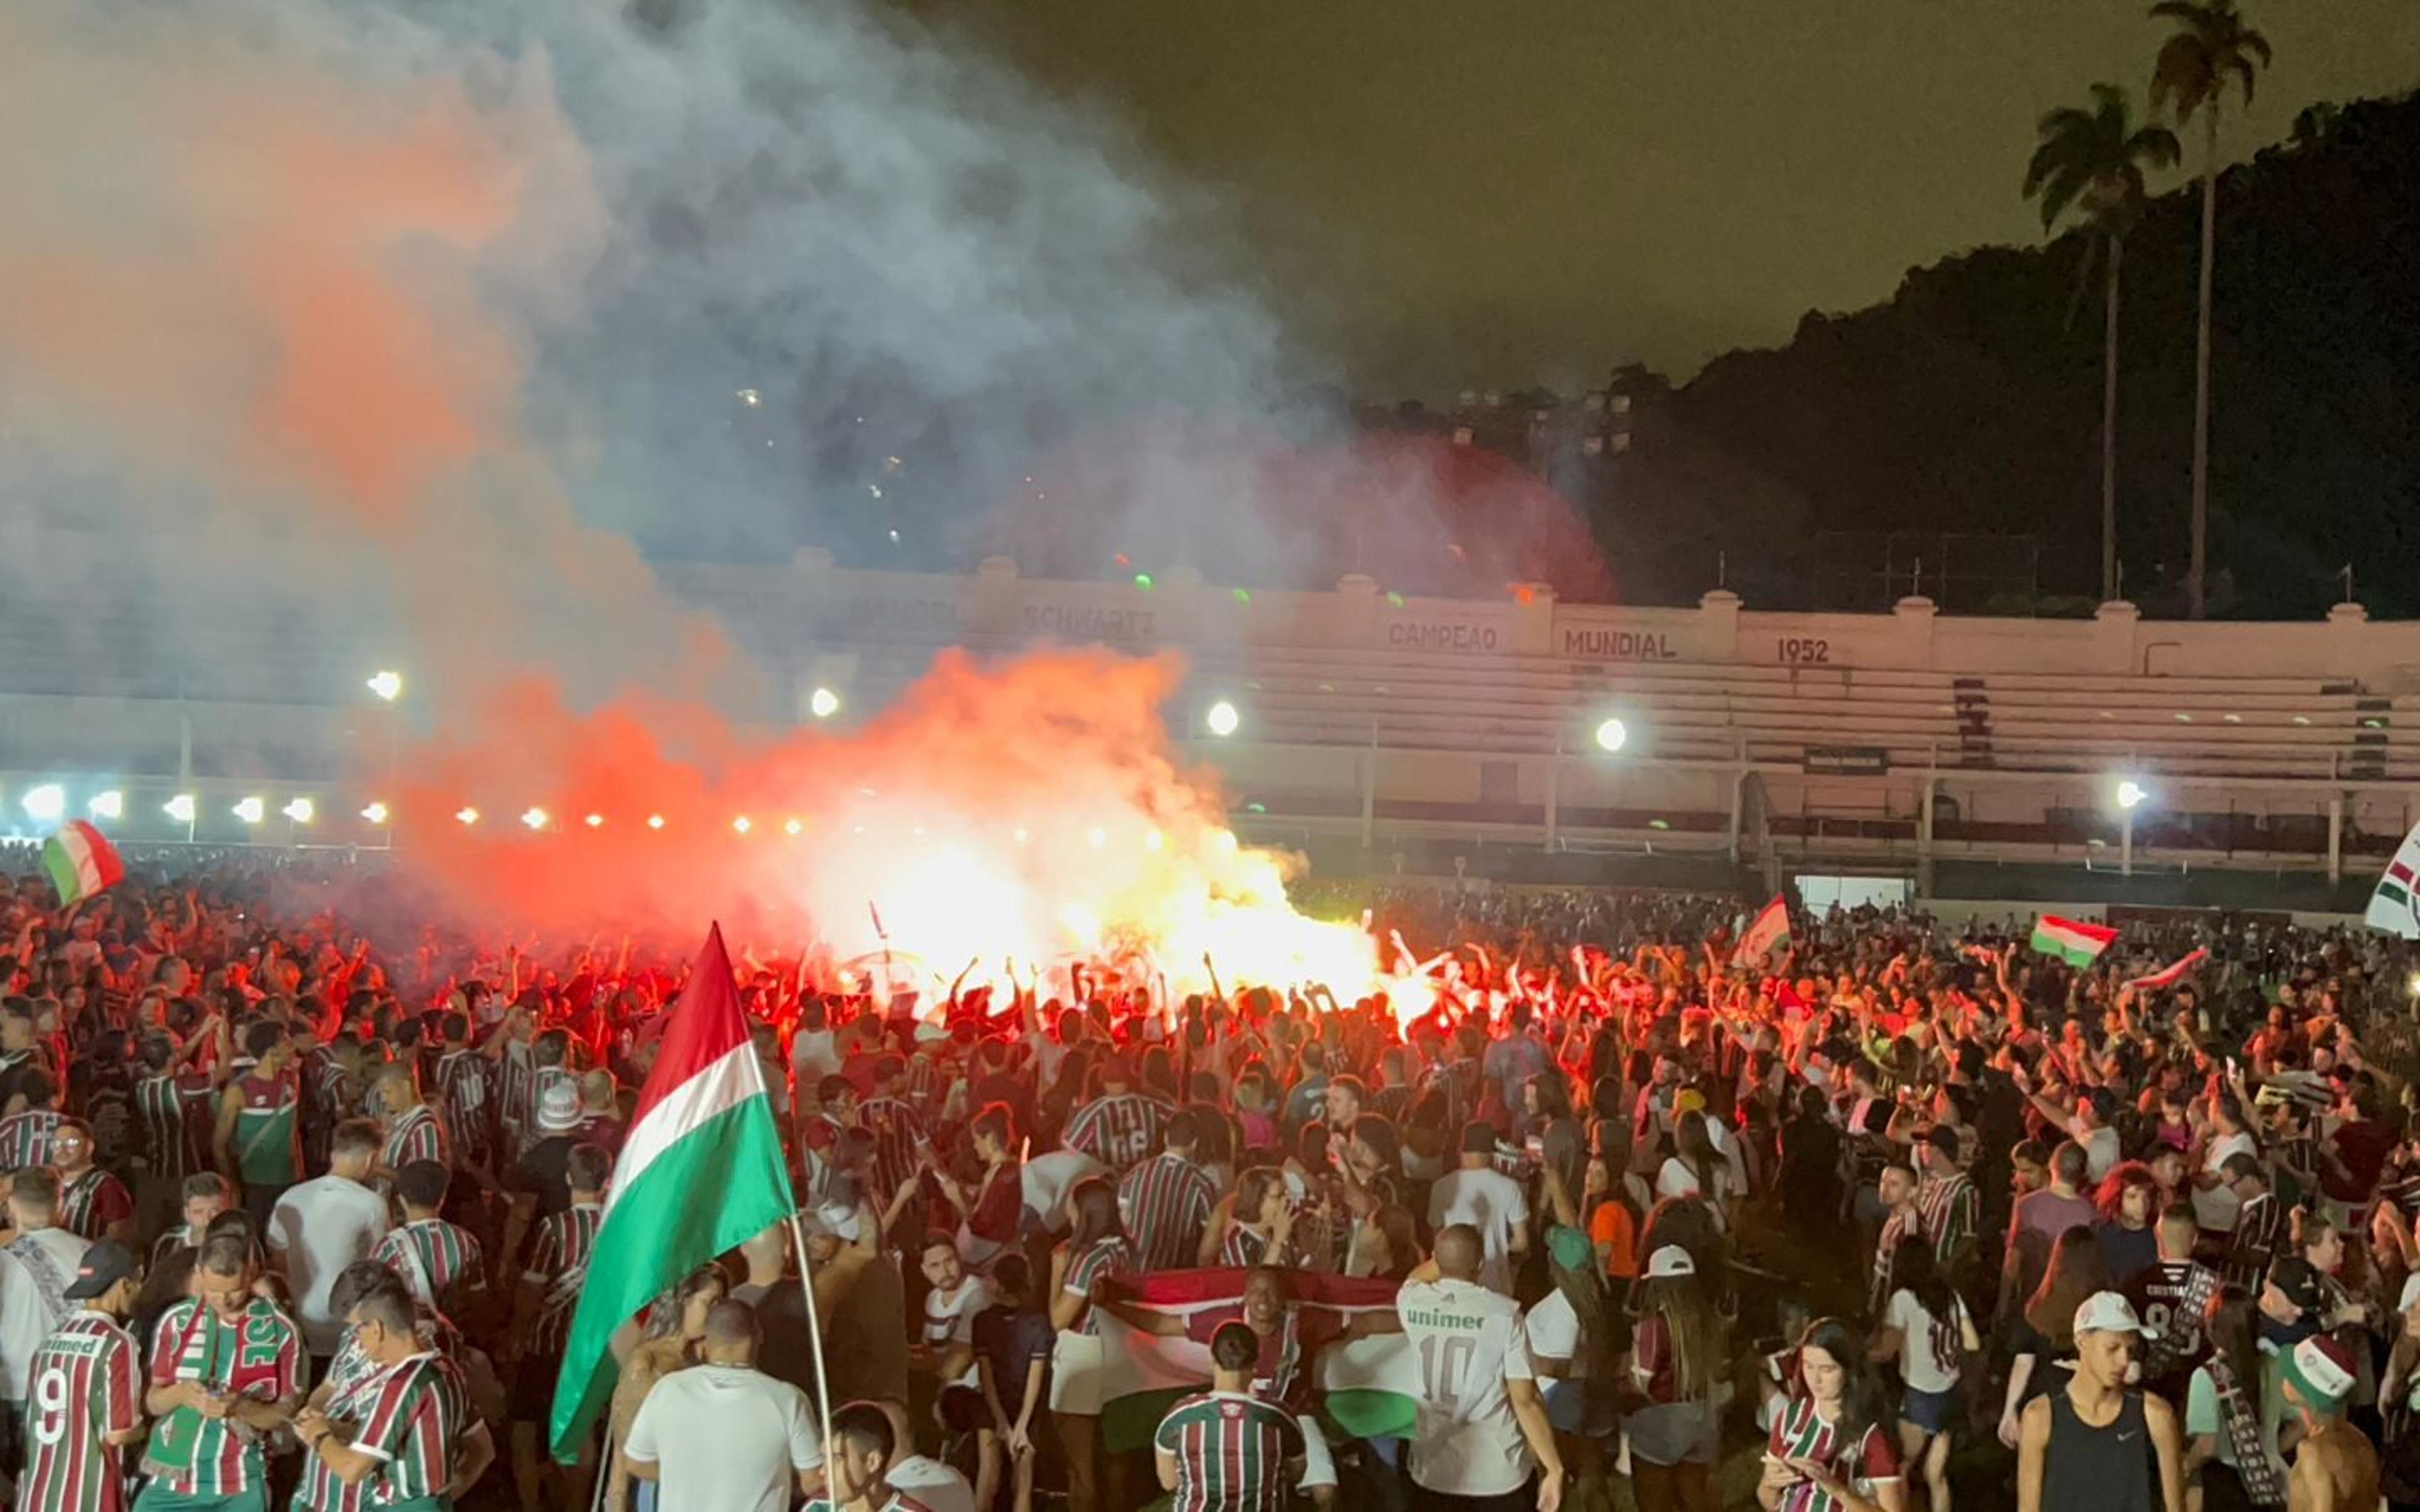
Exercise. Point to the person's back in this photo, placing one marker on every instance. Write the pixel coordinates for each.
(2336, 1468)
(723, 1434)
(1469, 1342)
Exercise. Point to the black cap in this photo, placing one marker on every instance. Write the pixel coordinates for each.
(104, 1265)
(2297, 1279)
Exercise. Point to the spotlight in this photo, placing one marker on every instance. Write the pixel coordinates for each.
(1221, 719)
(1612, 736)
(108, 805)
(467, 814)
(791, 827)
(2131, 793)
(376, 813)
(251, 810)
(180, 807)
(387, 685)
(823, 704)
(655, 821)
(534, 817)
(300, 811)
(595, 820)
(742, 824)
(46, 802)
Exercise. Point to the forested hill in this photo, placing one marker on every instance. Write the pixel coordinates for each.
(1971, 402)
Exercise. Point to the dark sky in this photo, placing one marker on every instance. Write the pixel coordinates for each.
(1449, 194)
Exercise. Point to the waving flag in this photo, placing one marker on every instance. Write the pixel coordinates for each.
(1766, 933)
(2391, 905)
(2077, 943)
(2168, 976)
(700, 1170)
(80, 862)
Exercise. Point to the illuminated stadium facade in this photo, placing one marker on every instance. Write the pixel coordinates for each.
(1974, 758)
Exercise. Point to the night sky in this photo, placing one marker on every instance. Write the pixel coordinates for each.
(1439, 195)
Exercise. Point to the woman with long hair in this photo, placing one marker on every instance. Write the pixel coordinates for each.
(2045, 1330)
(1926, 1329)
(1831, 1447)
(2129, 1201)
(1576, 1337)
(2232, 1408)
(1678, 1349)
(1257, 1228)
(1696, 1170)
(1094, 1251)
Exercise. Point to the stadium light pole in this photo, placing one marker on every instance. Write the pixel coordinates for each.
(2130, 795)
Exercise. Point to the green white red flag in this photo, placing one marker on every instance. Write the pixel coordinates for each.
(1766, 933)
(1368, 1386)
(700, 1171)
(2073, 941)
(80, 862)
(2390, 902)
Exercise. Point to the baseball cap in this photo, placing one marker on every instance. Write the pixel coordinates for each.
(2106, 1312)
(2298, 1281)
(832, 1220)
(2321, 1371)
(558, 1107)
(104, 1265)
(1690, 1101)
(1670, 1259)
(1570, 1248)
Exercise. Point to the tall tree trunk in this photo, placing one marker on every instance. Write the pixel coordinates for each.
(2196, 583)
(2109, 427)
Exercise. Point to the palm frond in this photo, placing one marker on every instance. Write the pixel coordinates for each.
(2183, 12)
(2252, 44)
(2246, 72)
(2156, 145)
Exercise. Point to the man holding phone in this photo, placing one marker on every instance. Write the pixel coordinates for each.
(227, 1369)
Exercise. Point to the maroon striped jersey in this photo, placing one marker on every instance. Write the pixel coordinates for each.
(85, 1384)
(1166, 1202)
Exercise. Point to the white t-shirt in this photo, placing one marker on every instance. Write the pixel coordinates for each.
(950, 1321)
(1916, 1364)
(1489, 1201)
(1554, 1334)
(319, 1228)
(26, 1322)
(2217, 1208)
(1468, 1341)
(2100, 1148)
(1047, 1180)
(932, 1483)
(725, 1437)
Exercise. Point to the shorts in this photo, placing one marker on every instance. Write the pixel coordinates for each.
(156, 1497)
(531, 1398)
(1676, 1433)
(1931, 1411)
(1075, 1374)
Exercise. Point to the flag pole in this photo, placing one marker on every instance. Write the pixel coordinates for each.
(815, 1342)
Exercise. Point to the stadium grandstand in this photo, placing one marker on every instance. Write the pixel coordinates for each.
(1514, 739)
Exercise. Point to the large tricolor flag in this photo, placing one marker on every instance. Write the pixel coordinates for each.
(2391, 904)
(1366, 1386)
(2169, 975)
(1766, 933)
(80, 862)
(700, 1171)
(2076, 943)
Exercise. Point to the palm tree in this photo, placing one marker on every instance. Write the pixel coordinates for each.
(2092, 162)
(2211, 48)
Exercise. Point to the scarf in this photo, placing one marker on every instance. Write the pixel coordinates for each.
(2238, 1416)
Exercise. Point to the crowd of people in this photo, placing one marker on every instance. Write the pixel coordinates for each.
(299, 1207)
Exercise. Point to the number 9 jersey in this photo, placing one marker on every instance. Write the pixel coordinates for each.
(87, 1381)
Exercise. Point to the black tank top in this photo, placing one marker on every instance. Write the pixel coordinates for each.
(2112, 1469)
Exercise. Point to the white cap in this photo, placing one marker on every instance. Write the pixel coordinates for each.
(558, 1107)
(2106, 1312)
(1670, 1259)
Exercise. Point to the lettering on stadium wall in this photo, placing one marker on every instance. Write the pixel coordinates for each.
(1443, 636)
(1619, 645)
(1085, 623)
